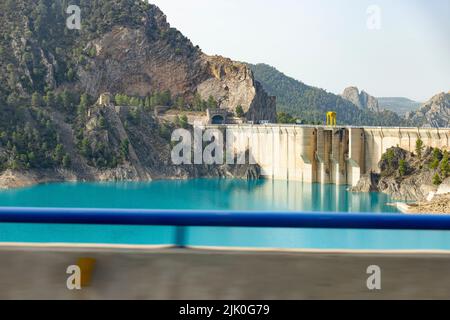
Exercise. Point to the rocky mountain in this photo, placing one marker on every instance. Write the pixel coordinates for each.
(310, 104)
(51, 127)
(362, 100)
(398, 104)
(434, 113)
(125, 47)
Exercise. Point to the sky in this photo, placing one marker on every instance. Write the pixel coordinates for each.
(389, 48)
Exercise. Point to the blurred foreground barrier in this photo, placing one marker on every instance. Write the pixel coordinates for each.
(38, 271)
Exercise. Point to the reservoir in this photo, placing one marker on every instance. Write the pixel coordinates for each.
(213, 194)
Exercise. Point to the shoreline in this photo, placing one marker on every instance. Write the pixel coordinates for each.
(439, 205)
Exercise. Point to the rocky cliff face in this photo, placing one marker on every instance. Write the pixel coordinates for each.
(233, 84)
(434, 113)
(414, 183)
(154, 57)
(362, 100)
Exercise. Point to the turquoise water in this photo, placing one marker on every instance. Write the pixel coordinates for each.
(212, 194)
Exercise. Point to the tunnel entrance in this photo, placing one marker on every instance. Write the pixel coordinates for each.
(218, 119)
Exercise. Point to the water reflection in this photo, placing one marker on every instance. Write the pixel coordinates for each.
(201, 194)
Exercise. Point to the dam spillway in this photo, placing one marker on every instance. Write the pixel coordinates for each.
(323, 154)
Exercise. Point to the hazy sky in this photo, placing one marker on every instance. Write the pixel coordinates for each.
(327, 43)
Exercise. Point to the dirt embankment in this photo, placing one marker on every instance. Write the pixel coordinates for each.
(438, 205)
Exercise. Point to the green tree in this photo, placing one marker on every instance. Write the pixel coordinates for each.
(402, 167)
(166, 98)
(67, 100)
(285, 118)
(212, 103)
(240, 112)
(389, 156)
(198, 102)
(50, 99)
(135, 102)
(124, 148)
(66, 161)
(70, 75)
(36, 100)
(58, 153)
(84, 103)
(419, 147)
(102, 122)
(180, 103)
(85, 148)
(437, 179)
(437, 154)
(437, 157)
(445, 166)
(184, 121)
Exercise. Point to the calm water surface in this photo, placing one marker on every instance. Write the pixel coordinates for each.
(205, 194)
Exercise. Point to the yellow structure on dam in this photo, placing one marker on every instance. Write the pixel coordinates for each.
(331, 118)
(324, 154)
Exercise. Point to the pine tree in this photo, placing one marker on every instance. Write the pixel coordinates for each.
(212, 103)
(402, 167)
(437, 179)
(445, 166)
(240, 112)
(419, 147)
(36, 100)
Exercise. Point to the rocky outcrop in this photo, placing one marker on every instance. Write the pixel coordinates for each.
(362, 100)
(232, 84)
(414, 184)
(367, 183)
(155, 57)
(434, 113)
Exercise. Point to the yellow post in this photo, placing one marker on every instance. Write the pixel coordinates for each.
(331, 118)
(87, 268)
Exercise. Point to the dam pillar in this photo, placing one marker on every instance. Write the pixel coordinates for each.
(372, 149)
(266, 151)
(405, 139)
(323, 152)
(280, 153)
(306, 145)
(294, 158)
(442, 138)
(356, 155)
(339, 152)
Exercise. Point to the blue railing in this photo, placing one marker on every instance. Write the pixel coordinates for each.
(225, 219)
(183, 219)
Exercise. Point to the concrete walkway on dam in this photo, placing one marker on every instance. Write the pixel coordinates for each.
(39, 272)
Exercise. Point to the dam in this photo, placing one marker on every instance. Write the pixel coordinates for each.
(324, 154)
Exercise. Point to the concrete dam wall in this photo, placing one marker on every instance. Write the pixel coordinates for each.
(336, 155)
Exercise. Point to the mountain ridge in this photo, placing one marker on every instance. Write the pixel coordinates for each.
(311, 103)
(400, 105)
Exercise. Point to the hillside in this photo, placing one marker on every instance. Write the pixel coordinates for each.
(398, 104)
(51, 77)
(433, 113)
(310, 104)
